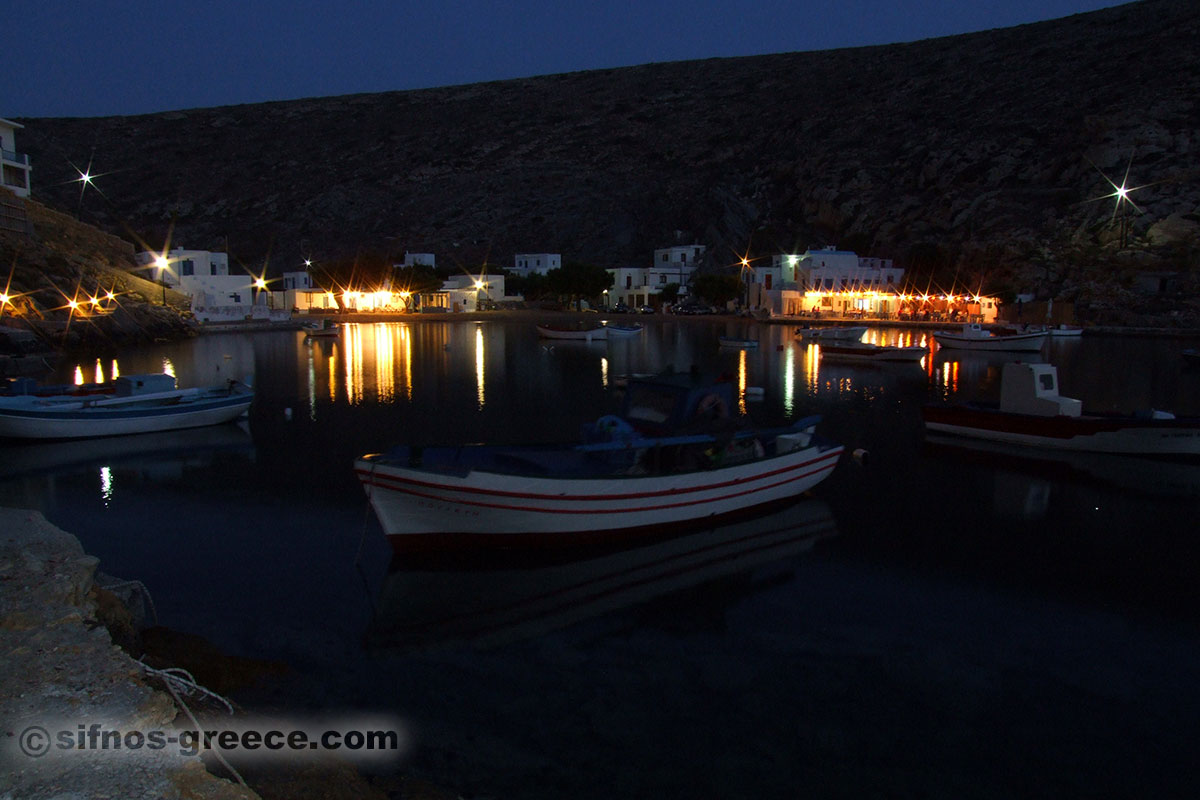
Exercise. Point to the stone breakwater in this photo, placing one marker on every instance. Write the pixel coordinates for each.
(59, 666)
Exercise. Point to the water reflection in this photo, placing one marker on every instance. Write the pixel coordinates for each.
(430, 604)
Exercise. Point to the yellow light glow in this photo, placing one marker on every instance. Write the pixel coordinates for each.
(99, 372)
(161, 262)
(260, 284)
(110, 296)
(73, 304)
(742, 381)
(116, 373)
(479, 364)
(78, 375)
(168, 367)
(3, 299)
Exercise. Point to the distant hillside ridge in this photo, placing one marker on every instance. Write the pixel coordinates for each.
(977, 159)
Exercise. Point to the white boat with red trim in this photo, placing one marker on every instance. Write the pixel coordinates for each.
(976, 337)
(875, 353)
(1031, 412)
(673, 460)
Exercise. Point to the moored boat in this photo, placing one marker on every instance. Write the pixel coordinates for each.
(1065, 331)
(617, 331)
(326, 328)
(864, 351)
(138, 404)
(674, 459)
(594, 334)
(1031, 412)
(842, 334)
(976, 337)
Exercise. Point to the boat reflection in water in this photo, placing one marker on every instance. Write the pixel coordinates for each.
(434, 602)
(1027, 478)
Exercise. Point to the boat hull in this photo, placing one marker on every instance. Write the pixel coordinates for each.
(86, 423)
(421, 508)
(589, 335)
(884, 354)
(840, 334)
(1017, 343)
(1097, 434)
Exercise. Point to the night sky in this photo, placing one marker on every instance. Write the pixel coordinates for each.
(75, 58)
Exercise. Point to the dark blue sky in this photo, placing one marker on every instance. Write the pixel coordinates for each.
(73, 58)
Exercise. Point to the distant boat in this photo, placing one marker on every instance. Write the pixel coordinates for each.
(730, 341)
(327, 328)
(1032, 413)
(850, 333)
(595, 334)
(138, 404)
(976, 337)
(863, 351)
(1066, 330)
(616, 331)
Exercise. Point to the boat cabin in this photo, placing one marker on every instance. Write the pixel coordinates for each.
(1033, 389)
(667, 403)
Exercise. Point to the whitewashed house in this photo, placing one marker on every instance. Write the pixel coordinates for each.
(535, 263)
(640, 286)
(204, 276)
(418, 259)
(465, 293)
(829, 281)
(15, 169)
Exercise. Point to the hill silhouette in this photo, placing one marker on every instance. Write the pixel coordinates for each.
(972, 160)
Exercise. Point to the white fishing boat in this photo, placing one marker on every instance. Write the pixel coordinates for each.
(852, 333)
(138, 404)
(1032, 413)
(1065, 331)
(597, 333)
(876, 353)
(673, 459)
(975, 337)
(620, 331)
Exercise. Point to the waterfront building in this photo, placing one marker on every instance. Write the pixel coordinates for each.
(204, 276)
(640, 286)
(15, 169)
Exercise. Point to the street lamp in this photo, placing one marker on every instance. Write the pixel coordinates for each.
(162, 264)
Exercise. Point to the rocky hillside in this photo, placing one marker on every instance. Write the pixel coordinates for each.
(60, 260)
(969, 159)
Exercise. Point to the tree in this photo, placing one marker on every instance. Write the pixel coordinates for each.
(717, 289)
(575, 280)
(669, 293)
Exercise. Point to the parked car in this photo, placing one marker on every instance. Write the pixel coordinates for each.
(620, 308)
(646, 310)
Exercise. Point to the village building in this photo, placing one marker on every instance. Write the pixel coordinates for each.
(535, 263)
(15, 169)
(216, 295)
(640, 286)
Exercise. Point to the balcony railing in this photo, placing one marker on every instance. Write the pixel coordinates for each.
(18, 158)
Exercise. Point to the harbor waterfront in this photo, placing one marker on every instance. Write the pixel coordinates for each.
(931, 619)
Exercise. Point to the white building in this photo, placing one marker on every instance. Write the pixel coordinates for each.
(535, 263)
(640, 286)
(204, 276)
(15, 170)
(419, 259)
(829, 281)
(466, 293)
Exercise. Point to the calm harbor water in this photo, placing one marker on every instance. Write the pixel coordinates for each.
(936, 621)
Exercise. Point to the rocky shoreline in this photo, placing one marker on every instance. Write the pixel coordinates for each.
(59, 667)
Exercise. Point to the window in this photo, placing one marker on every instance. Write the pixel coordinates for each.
(236, 298)
(766, 281)
(187, 267)
(683, 258)
(212, 268)
(664, 256)
(628, 281)
(662, 279)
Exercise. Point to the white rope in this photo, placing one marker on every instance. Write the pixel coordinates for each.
(175, 677)
(141, 587)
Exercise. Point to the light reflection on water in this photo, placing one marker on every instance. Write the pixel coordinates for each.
(935, 530)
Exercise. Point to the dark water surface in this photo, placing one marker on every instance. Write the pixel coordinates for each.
(935, 622)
